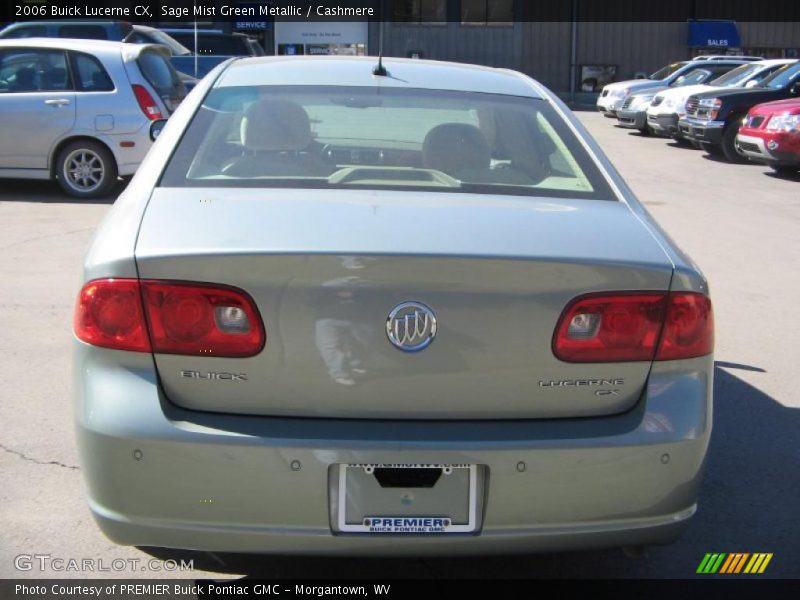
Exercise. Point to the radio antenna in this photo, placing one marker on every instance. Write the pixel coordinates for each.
(380, 70)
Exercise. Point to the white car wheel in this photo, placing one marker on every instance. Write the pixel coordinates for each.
(86, 169)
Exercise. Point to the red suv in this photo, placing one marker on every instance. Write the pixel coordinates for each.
(770, 134)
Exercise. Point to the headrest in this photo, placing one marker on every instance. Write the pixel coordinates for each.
(26, 76)
(277, 125)
(453, 147)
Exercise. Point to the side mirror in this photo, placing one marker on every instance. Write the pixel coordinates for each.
(156, 127)
(750, 84)
(795, 89)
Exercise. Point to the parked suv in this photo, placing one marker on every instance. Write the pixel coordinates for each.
(668, 106)
(770, 135)
(80, 111)
(713, 118)
(633, 111)
(613, 95)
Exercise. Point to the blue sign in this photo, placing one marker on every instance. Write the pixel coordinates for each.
(713, 34)
(254, 21)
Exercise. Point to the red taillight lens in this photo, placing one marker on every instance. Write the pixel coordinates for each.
(146, 103)
(201, 319)
(181, 318)
(109, 314)
(688, 327)
(622, 327)
(631, 327)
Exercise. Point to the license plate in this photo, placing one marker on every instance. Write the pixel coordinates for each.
(407, 498)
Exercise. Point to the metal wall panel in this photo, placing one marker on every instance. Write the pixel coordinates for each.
(546, 53)
(542, 49)
(770, 34)
(635, 47)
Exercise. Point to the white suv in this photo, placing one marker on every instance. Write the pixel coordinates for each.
(79, 111)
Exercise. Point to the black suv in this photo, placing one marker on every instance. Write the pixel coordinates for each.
(713, 118)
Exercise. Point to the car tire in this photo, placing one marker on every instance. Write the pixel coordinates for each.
(785, 169)
(86, 169)
(711, 149)
(729, 144)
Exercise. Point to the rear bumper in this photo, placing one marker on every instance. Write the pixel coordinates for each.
(158, 475)
(771, 151)
(633, 119)
(709, 132)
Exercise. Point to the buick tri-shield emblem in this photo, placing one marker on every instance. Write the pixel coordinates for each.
(411, 326)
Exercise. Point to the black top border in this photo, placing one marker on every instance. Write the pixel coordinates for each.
(402, 10)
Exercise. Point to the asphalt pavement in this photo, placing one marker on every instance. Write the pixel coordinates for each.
(740, 223)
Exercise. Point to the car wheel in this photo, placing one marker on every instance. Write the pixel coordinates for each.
(86, 169)
(729, 144)
(785, 169)
(711, 149)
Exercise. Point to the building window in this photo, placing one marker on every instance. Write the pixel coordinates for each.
(427, 12)
(487, 12)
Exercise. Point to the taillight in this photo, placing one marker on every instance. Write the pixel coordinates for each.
(109, 314)
(169, 318)
(147, 103)
(201, 319)
(688, 327)
(629, 327)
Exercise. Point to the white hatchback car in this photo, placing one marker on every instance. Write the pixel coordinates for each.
(79, 111)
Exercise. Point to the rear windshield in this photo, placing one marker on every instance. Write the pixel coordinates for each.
(373, 138)
(227, 45)
(157, 70)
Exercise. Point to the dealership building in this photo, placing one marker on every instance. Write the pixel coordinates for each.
(572, 46)
(571, 49)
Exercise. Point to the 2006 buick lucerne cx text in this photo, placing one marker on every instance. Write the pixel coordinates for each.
(403, 308)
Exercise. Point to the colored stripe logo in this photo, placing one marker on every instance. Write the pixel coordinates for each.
(734, 563)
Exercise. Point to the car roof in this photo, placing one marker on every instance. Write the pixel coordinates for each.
(65, 43)
(357, 71)
(770, 62)
(78, 45)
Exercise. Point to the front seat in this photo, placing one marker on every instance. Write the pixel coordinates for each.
(277, 140)
(457, 149)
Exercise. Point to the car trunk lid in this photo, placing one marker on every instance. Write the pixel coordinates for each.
(326, 268)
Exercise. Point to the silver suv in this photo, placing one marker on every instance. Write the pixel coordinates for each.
(79, 111)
